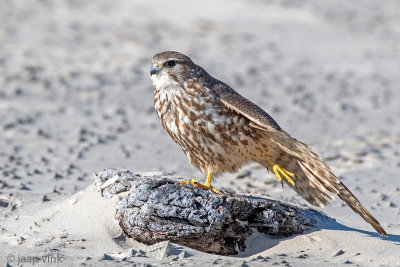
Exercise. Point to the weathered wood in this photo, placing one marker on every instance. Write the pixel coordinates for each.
(155, 208)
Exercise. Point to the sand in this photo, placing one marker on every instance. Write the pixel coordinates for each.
(76, 97)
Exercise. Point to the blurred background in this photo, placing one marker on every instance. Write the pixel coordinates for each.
(76, 95)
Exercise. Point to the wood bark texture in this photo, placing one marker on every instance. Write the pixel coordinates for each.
(153, 207)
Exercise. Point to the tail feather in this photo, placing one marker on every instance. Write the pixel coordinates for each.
(355, 205)
(320, 184)
(328, 184)
(314, 180)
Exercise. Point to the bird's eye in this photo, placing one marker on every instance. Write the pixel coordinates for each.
(170, 63)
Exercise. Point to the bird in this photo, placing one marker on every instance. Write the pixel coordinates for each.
(219, 130)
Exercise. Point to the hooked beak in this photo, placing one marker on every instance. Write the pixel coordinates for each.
(154, 70)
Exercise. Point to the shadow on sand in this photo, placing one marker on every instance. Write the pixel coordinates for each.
(333, 225)
(260, 242)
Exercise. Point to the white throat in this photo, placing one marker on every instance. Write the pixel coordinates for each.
(162, 81)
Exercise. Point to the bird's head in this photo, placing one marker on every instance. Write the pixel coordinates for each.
(171, 69)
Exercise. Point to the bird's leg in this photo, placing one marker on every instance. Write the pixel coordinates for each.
(206, 186)
(278, 170)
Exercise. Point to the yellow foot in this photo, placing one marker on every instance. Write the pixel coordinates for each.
(199, 185)
(278, 170)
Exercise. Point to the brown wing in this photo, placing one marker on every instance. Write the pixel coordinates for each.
(232, 100)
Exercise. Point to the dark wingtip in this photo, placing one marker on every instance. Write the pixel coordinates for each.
(381, 231)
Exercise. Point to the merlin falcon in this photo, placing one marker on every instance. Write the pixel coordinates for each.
(219, 130)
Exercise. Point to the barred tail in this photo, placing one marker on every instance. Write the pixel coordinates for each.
(313, 179)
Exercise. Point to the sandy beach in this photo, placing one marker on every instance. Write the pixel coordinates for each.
(76, 98)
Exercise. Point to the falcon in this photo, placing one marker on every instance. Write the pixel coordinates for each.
(219, 130)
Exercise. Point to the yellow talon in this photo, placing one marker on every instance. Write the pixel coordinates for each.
(206, 186)
(277, 170)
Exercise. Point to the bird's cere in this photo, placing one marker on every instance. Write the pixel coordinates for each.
(154, 70)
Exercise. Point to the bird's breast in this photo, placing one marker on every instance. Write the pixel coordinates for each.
(193, 116)
(183, 112)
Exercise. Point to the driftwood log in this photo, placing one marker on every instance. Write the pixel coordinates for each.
(153, 207)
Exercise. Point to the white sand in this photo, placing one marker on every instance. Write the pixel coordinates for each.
(76, 97)
(82, 229)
